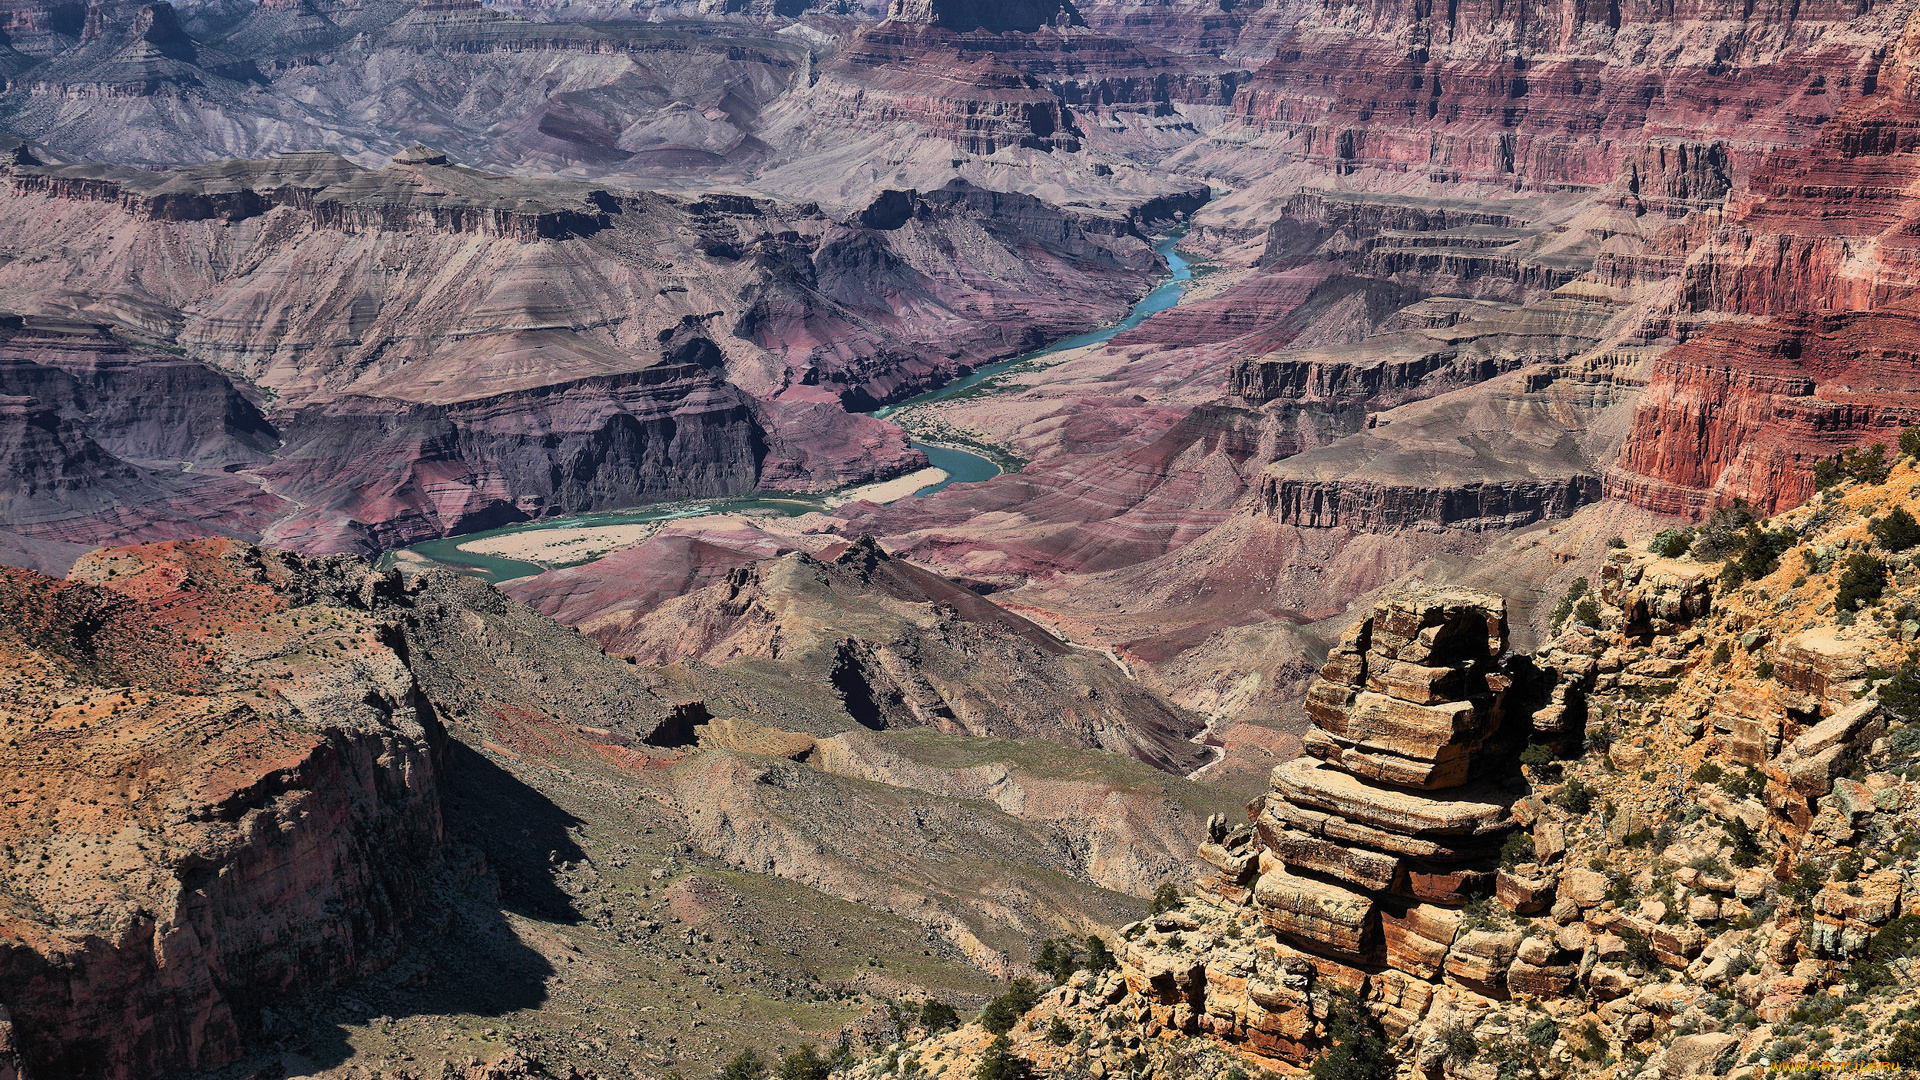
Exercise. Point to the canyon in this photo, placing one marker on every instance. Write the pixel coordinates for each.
(1482, 310)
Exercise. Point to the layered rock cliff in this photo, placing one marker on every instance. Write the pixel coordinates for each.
(227, 792)
(1701, 875)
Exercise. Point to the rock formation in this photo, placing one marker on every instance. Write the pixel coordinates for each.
(862, 639)
(209, 827)
(1710, 877)
(1365, 850)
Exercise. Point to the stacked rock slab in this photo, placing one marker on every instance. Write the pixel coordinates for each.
(1354, 873)
(1395, 815)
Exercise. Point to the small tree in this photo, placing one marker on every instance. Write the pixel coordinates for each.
(1099, 957)
(1058, 1033)
(1864, 579)
(999, 1062)
(1359, 1051)
(1003, 1012)
(1910, 442)
(937, 1015)
(1564, 608)
(1165, 898)
(1904, 1050)
(1896, 531)
(1059, 959)
(746, 1065)
(804, 1064)
(1671, 543)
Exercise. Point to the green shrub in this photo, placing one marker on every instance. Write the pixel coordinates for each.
(1460, 1045)
(1059, 959)
(1763, 669)
(1542, 1032)
(1671, 543)
(1755, 554)
(1517, 848)
(1724, 532)
(1006, 1010)
(1617, 542)
(1745, 784)
(999, 1062)
(1710, 865)
(1058, 1033)
(1869, 465)
(804, 1064)
(1165, 898)
(1900, 695)
(1709, 772)
(1587, 613)
(1573, 595)
(1537, 755)
(1896, 940)
(1745, 843)
(1864, 579)
(1099, 957)
(938, 1016)
(746, 1065)
(1904, 1050)
(1575, 796)
(1897, 531)
(1722, 654)
(1640, 952)
(1359, 1051)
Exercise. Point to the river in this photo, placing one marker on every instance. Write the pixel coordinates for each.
(962, 466)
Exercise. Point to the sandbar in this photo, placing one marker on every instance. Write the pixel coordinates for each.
(550, 546)
(887, 491)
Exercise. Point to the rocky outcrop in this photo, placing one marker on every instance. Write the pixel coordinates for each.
(238, 844)
(1712, 861)
(862, 639)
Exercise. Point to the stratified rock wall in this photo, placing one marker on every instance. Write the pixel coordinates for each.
(236, 846)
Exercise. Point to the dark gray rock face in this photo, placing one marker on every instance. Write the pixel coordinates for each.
(995, 16)
(377, 473)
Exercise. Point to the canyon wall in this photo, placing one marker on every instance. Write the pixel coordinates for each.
(237, 845)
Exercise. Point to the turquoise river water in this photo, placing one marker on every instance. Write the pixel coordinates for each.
(961, 466)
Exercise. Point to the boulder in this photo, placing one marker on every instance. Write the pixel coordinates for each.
(1524, 890)
(1417, 938)
(1320, 916)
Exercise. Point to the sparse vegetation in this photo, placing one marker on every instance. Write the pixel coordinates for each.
(1755, 553)
(1861, 583)
(1743, 840)
(1868, 465)
(805, 1064)
(1576, 796)
(937, 1016)
(1460, 1045)
(1359, 1051)
(999, 1062)
(1165, 898)
(1575, 592)
(1003, 1012)
(746, 1065)
(1896, 531)
(1671, 543)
